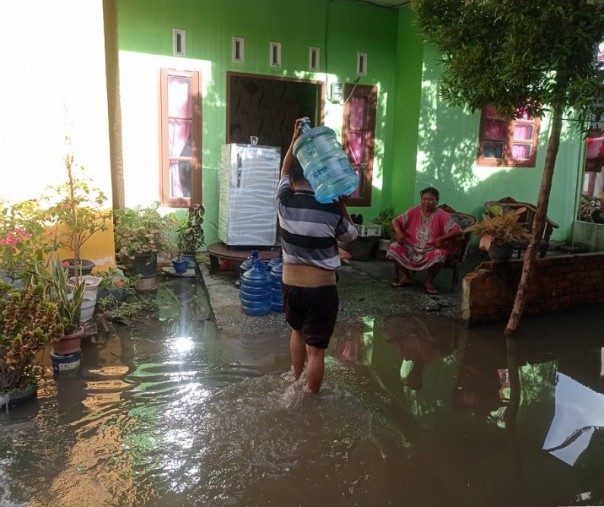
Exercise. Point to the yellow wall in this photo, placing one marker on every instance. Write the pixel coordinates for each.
(53, 86)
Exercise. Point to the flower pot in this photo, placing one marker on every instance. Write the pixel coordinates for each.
(500, 253)
(73, 268)
(92, 284)
(117, 293)
(87, 309)
(66, 365)
(15, 398)
(180, 266)
(69, 343)
(145, 265)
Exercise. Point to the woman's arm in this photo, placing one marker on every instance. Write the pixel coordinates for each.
(399, 231)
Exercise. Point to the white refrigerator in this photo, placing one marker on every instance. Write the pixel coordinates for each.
(247, 213)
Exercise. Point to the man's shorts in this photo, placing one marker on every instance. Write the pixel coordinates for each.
(313, 311)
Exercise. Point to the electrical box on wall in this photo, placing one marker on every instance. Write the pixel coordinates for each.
(238, 49)
(337, 92)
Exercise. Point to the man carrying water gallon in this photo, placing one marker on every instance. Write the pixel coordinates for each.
(310, 231)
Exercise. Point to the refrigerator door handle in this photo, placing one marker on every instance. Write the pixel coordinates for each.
(238, 170)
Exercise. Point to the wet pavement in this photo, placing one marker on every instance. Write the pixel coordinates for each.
(194, 405)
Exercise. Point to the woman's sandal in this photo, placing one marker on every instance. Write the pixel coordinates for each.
(431, 290)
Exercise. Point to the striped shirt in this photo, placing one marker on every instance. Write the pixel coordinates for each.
(310, 231)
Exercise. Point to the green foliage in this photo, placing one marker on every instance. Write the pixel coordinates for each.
(23, 237)
(384, 219)
(188, 230)
(75, 209)
(28, 322)
(57, 288)
(141, 230)
(499, 226)
(514, 54)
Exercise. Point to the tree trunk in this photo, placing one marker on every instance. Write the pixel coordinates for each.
(539, 222)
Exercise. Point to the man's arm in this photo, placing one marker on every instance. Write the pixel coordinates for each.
(290, 160)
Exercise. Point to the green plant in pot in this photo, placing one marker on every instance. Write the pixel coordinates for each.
(141, 234)
(23, 238)
(384, 219)
(76, 211)
(187, 235)
(68, 298)
(499, 230)
(29, 321)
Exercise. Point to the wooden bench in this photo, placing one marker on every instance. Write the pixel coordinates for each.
(527, 219)
(237, 255)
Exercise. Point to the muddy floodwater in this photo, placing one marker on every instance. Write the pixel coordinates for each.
(415, 410)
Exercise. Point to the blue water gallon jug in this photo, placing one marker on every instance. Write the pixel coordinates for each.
(255, 290)
(247, 263)
(275, 260)
(276, 283)
(325, 165)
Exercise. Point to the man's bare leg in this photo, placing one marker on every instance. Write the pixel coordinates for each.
(315, 368)
(297, 349)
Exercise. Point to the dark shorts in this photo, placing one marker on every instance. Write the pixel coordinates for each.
(313, 311)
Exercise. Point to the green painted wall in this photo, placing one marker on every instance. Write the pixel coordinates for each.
(400, 186)
(341, 28)
(447, 140)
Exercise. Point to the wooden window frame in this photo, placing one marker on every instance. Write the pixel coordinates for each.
(164, 177)
(507, 160)
(368, 92)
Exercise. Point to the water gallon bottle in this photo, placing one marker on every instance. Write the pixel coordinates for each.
(325, 165)
(276, 282)
(275, 260)
(255, 290)
(247, 263)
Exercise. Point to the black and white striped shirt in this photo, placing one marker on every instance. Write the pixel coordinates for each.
(310, 231)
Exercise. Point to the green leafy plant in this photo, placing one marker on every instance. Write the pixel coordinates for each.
(75, 210)
(67, 296)
(188, 231)
(23, 237)
(499, 227)
(141, 230)
(384, 219)
(29, 321)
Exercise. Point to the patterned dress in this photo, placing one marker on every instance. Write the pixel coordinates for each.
(417, 251)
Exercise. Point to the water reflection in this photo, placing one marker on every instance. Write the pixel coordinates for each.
(414, 410)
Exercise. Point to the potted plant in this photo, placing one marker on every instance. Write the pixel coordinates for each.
(141, 233)
(384, 220)
(115, 284)
(76, 212)
(29, 321)
(499, 230)
(69, 301)
(188, 236)
(23, 238)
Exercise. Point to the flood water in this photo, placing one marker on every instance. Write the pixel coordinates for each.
(414, 411)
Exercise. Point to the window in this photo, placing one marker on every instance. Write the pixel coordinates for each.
(180, 138)
(508, 142)
(358, 135)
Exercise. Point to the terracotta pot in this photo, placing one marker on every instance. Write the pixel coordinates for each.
(69, 344)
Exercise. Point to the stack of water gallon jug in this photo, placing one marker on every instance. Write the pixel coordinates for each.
(260, 287)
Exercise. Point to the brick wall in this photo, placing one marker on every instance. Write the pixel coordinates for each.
(558, 283)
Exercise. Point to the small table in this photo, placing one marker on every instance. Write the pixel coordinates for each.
(237, 255)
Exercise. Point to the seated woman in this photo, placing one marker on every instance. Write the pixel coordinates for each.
(423, 237)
